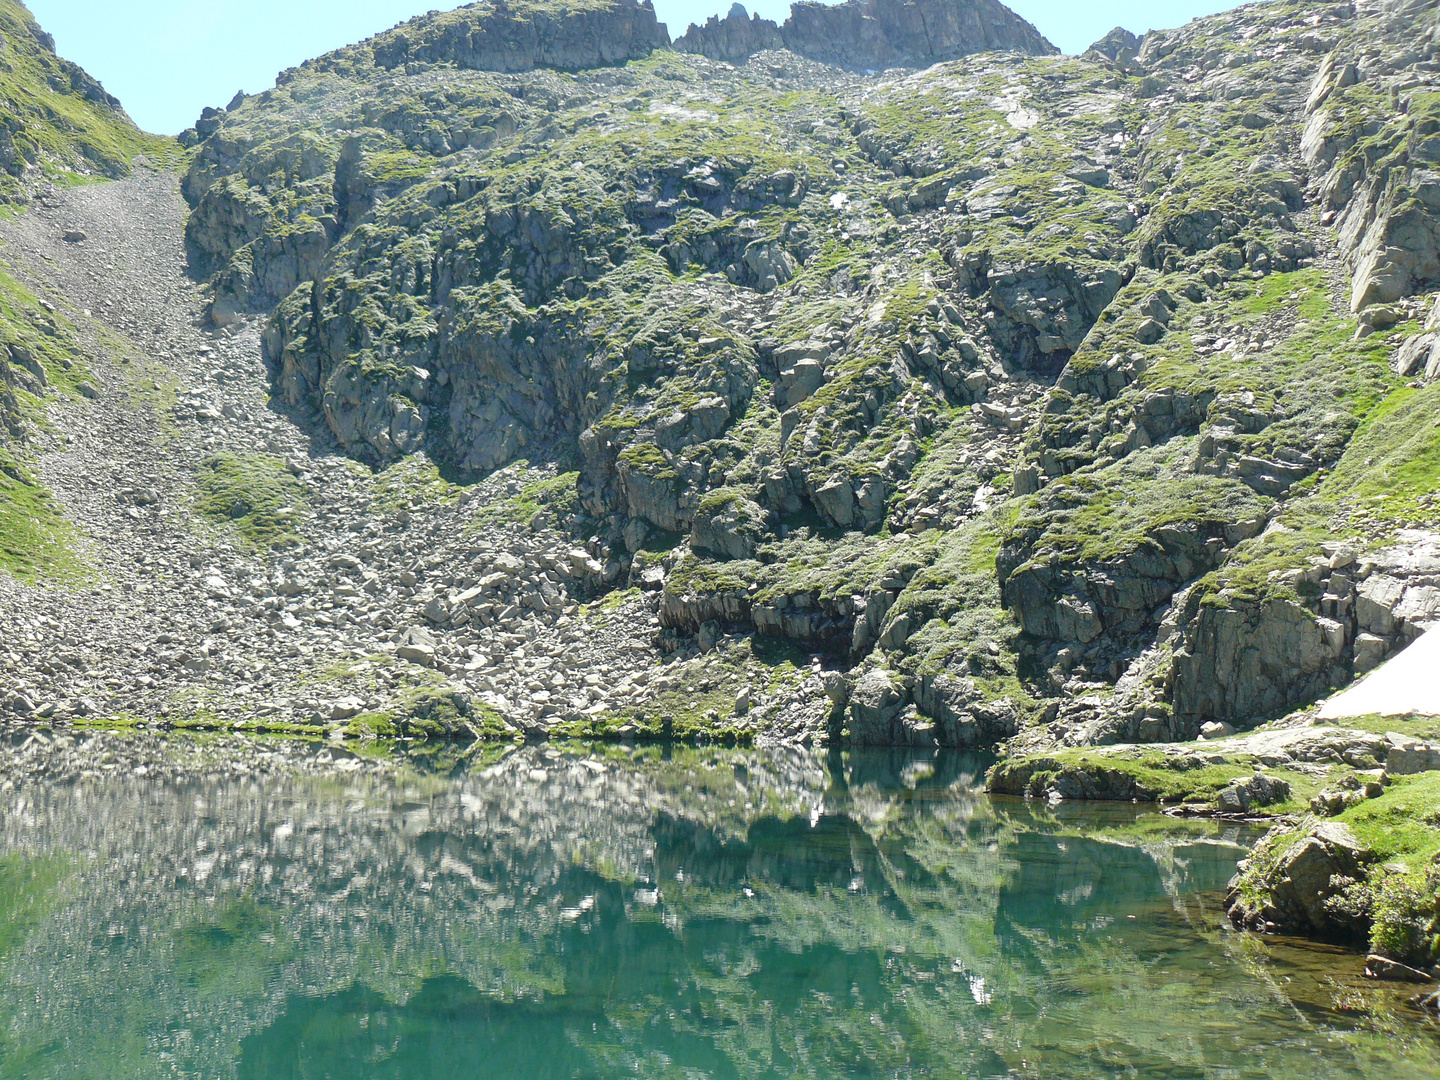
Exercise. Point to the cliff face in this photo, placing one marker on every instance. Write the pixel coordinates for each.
(496, 36)
(1021, 386)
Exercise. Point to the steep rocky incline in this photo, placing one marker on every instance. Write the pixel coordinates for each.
(58, 126)
(556, 380)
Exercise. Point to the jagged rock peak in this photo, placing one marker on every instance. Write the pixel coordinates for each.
(573, 35)
(496, 35)
(734, 38)
(876, 34)
(870, 34)
(1119, 45)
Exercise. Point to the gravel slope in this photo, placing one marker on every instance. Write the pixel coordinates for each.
(180, 621)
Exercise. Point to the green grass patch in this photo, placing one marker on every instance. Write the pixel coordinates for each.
(1390, 473)
(559, 495)
(699, 705)
(1191, 774)
(255, 494)
(36, 542)
(411, 483)
(1096, 516)
(600, 611)
(1403, 824)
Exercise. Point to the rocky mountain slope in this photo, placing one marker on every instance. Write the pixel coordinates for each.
(545, 377)
(58, 126)
(880, 377)
(58, 129)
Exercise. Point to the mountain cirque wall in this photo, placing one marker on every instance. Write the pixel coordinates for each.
(1026, 388)
(1047, 399)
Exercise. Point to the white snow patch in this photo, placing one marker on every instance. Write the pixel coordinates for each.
(1407, 684)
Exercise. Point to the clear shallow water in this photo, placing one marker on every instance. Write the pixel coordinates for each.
(688, 914)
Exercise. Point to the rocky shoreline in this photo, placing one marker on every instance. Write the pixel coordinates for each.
(1352, 855)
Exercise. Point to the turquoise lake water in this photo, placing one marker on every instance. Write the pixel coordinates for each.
(598, 913)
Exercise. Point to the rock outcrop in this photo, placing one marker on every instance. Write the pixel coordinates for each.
(870, 34)
(1250, 659)
(1379, 179)
(493, 35)
(1287, 881)
(1119, 45)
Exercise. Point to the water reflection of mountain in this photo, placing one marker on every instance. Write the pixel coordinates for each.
(694, 913)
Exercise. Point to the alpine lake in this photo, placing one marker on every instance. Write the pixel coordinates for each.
(586, 912)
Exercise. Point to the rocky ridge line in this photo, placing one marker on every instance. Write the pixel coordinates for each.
(869, 34)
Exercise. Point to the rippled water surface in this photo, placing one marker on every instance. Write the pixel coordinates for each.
(579, 913)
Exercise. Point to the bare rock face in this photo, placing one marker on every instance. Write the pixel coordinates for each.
(1250, 658)
(878, 34)
(1420, 354)
(733, 39)
(875, 707)
(9, 407)
(1387, 215)
(729, 524)
(493, 36)
(870, 34)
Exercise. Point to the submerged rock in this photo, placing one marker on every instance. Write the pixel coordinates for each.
(1387, 970)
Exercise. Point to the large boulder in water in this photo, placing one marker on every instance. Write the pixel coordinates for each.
(1286, 883)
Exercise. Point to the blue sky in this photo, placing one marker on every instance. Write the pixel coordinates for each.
(166, 59)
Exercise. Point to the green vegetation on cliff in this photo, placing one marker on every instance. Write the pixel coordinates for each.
(1038, 379)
